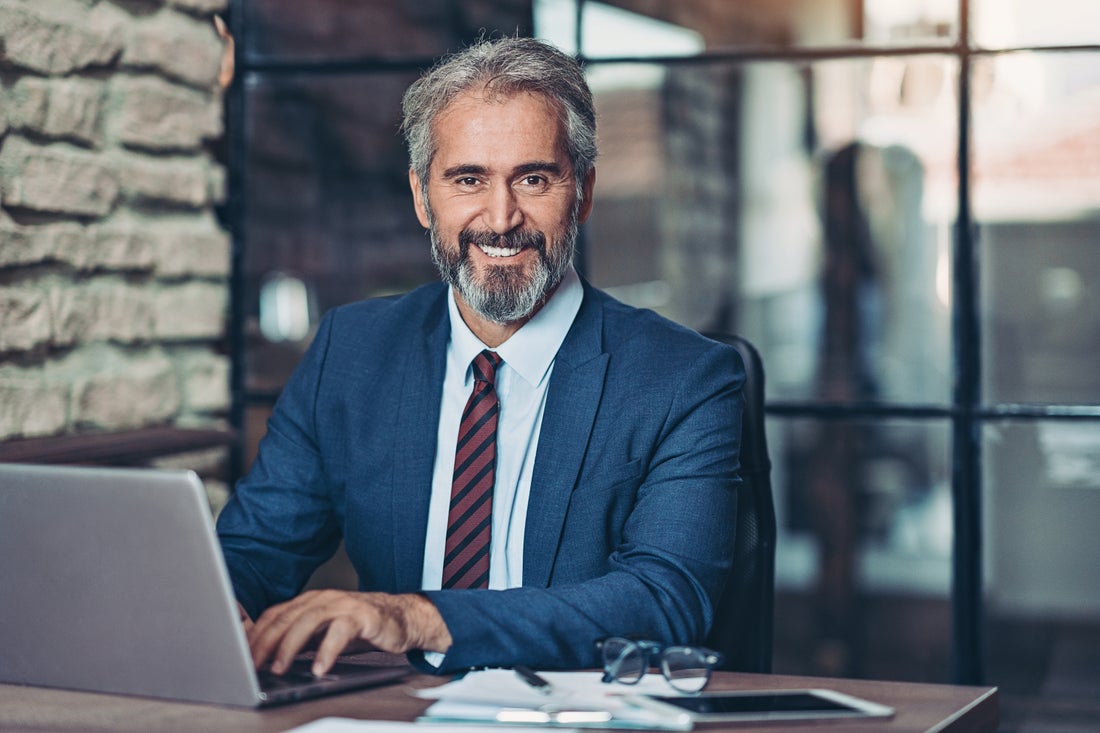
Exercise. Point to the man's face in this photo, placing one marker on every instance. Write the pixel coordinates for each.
(502, 204)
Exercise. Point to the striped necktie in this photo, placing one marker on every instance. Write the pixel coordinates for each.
(469, 522)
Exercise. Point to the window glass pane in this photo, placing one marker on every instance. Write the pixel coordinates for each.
(1041, 501)
(1006, 23)
(349, 29)
(1037, 201)
(806, 208)
(1042, 484)
(329, 216)
(912, 21)
(863, 560)
(642, 28)
(610, 31)
(556, 22)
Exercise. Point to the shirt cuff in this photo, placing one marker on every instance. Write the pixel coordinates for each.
(426, 662)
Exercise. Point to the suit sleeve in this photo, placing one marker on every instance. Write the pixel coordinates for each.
(664, 578)
(278, 526)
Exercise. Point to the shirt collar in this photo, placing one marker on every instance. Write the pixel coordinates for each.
(531, 350)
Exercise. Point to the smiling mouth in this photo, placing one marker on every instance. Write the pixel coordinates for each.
(499, 251)
(502, 246)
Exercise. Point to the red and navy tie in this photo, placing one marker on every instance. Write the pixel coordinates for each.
(469, 523)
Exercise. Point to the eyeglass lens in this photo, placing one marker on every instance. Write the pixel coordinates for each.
(624, 660)
(687, 669)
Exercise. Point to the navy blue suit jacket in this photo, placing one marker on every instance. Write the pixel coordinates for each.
(632, 507)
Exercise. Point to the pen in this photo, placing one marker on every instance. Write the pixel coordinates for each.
(534, 680)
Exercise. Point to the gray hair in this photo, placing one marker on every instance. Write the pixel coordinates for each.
(502, 67)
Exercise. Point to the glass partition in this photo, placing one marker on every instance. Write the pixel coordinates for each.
(865, 539)
(1008, 23)
(915, 21)
(808, 208)
(1043, 497)
(1037, 203)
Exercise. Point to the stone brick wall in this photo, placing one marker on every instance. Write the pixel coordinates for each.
(113, 268)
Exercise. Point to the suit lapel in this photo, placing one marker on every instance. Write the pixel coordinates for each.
(576, 386)
(414, 444)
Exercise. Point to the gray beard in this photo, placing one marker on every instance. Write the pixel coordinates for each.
(507, 295)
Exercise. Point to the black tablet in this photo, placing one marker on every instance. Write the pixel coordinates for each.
(763, 705)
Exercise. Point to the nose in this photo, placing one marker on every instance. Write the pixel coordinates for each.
(502, 212)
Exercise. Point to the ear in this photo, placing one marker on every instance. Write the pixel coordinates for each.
(419, 203)
(586, 196)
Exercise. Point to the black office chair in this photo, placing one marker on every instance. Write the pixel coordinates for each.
(742, 628)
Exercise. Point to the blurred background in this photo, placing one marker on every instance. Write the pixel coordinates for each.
(897, 201)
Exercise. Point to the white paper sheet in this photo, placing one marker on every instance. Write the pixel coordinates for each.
(480, 696)
(350, 725)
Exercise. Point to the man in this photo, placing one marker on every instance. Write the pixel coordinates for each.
(610, 435)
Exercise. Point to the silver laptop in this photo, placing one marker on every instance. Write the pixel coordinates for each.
(112, 580)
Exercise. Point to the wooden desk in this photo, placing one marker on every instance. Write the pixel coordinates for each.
(920, 707)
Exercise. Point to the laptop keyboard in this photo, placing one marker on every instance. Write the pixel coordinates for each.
(299, 683)
(298, 674)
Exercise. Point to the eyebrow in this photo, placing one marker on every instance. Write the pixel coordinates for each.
(539, 166)
(535, 166)
(463, 170)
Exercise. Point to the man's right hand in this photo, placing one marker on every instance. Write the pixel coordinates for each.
(336, 621)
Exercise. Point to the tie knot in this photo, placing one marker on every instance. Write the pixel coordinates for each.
(485, 366)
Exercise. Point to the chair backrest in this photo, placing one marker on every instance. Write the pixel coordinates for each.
(742, 628)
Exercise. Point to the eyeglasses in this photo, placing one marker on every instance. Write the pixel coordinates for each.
(687, 668)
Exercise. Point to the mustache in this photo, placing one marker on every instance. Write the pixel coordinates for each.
(514, 239)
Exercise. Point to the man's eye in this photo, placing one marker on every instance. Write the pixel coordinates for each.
(466, 181)
(535, 181)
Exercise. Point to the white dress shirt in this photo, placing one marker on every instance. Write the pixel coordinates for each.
(521, 386)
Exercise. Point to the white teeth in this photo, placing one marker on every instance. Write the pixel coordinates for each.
(500, 251)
